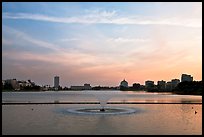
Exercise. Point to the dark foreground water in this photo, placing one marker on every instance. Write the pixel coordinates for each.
(148, 119)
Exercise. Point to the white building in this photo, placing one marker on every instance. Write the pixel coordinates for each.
(13, 83)
(24, 83)
(56, 82)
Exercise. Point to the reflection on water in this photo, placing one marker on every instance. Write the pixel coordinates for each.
(87, 96)
(153, 119)
(97, 110)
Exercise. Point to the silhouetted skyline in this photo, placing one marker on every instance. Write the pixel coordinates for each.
(101, 43)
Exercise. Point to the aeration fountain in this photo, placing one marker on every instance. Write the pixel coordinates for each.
(103, 98)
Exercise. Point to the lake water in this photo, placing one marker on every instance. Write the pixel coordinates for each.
(151, 118)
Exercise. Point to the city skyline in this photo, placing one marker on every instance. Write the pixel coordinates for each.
(101, 43)
(56, 81)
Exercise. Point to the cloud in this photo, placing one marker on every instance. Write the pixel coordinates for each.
(124, 40)
(103, 54)
(100, 13)
(61, 56)
(105, 17)
(61, 59)
(19, 37)
(137, 63)
(68, 39)
(85, 53)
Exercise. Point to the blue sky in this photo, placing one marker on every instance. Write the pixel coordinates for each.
(101, 43)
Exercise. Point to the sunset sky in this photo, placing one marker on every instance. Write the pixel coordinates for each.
(101, 43)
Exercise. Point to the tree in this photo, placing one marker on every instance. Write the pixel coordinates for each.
(189, 87)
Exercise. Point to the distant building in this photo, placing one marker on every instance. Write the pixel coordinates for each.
(77, 87)
(149, 84)
(56, 82)
(23, 84)
(161, 85)
(174, 82)
(31, 83)
(14, 83)
(169, 86)
(185, 77)
(136, 86)
(45, 87)
(124, 83)
(85, 87)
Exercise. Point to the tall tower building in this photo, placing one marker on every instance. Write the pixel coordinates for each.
(56, 82)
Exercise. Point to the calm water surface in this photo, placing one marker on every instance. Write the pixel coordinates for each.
(150, 119)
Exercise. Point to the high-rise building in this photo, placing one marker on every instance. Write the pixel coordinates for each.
(56, 82)
(149, 84)
(174, 82)
(161, 84)
(169, 86)
(185, 77)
